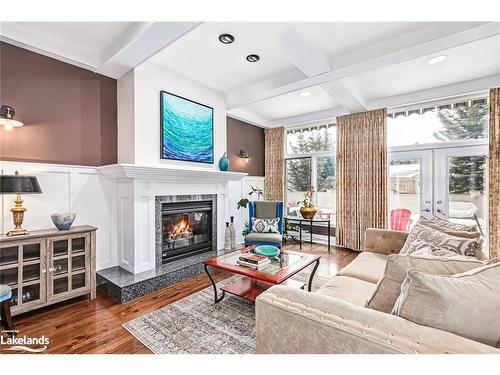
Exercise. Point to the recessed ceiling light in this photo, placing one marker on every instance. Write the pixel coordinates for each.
(226, 38)
(437, 59)
(253, 58)
(305, 93)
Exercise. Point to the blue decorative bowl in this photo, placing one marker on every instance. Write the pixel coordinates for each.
(63, 221)
(267, 250)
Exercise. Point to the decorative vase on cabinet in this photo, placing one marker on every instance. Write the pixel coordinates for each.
(224, 162)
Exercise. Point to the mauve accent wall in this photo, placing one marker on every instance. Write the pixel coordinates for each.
(69, 113)
(249, 137)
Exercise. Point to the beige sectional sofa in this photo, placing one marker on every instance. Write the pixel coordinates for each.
(334, 320)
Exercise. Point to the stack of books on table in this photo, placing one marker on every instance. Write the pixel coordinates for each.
(253, 261)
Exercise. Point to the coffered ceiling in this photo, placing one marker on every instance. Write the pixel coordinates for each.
(307, 72)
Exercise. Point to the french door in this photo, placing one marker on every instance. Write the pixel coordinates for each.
(449, 182)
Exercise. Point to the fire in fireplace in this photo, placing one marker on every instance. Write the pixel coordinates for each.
(186, 229)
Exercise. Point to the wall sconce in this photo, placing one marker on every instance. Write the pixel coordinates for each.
(7, 118)
(244, 155)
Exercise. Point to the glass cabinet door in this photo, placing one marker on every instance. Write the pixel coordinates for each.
(69, 265)
(22, 268)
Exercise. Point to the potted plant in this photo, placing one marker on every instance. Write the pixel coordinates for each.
(308, 211)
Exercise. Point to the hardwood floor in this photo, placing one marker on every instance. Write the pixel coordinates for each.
(84, 326)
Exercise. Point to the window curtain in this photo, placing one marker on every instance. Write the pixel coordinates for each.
(494, 173)
(274, 180)
(361, 176)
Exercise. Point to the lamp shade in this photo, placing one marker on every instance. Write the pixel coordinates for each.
(19, 185)
(7, 114)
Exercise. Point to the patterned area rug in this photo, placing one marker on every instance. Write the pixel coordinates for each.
(195, 325)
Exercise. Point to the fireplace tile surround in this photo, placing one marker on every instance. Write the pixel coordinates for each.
(160, 200)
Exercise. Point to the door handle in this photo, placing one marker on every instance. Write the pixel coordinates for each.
(426, 210)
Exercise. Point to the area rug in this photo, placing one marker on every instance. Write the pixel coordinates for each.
(195, 325)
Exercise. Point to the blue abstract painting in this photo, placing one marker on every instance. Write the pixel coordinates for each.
(186, 129)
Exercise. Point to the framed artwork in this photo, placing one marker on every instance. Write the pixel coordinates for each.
(186, 129)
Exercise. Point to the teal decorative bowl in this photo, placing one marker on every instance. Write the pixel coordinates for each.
(267, 250)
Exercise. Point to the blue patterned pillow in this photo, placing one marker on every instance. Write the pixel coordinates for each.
(265, 225)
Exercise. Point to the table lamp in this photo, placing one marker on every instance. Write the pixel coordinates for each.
(18, 185)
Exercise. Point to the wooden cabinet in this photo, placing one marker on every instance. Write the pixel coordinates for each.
(48, 266)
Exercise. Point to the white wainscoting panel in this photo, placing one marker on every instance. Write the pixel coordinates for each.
(67, 189)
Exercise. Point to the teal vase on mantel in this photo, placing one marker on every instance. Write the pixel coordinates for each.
(224, 162)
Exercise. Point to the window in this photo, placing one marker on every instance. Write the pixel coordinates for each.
(310, 160)
(461, 121)
(403, 188)
(298, 180)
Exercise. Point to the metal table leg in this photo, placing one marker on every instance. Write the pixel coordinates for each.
(216, 298)
(309, 285)
(300, 235)
(328, 235)
(311, 232)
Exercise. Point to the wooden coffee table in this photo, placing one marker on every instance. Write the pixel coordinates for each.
(254, 282)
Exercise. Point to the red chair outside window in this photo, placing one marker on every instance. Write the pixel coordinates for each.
(400, 219)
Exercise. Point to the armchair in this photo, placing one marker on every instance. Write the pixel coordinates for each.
(265, 210)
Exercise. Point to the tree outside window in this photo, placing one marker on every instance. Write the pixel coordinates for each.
(461, 123)
(314, 164)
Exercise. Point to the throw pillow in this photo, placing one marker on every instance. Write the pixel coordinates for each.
(451, 226)
(265, 225)
(433, 251)
(465, 304)
(389, 287)
(454, 229)
(431, 236)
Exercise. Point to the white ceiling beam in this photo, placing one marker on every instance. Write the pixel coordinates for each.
(134, 46)
(345, 96)
(314, 117)
(251, 118)
(436, 93)
(308, 59)
(128, 36)
(422, 48)
(23, 37)
(140, 43)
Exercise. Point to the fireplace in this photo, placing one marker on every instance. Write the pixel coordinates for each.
(186, 229)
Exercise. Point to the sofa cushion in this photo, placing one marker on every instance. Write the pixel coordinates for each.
(366, 266)
(348, 289)
(264, 237)
(389, 287)
(384, 241)
(466, 304)
(421, 235)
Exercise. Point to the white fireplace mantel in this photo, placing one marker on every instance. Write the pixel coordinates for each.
(168, 173)
(133, 213)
